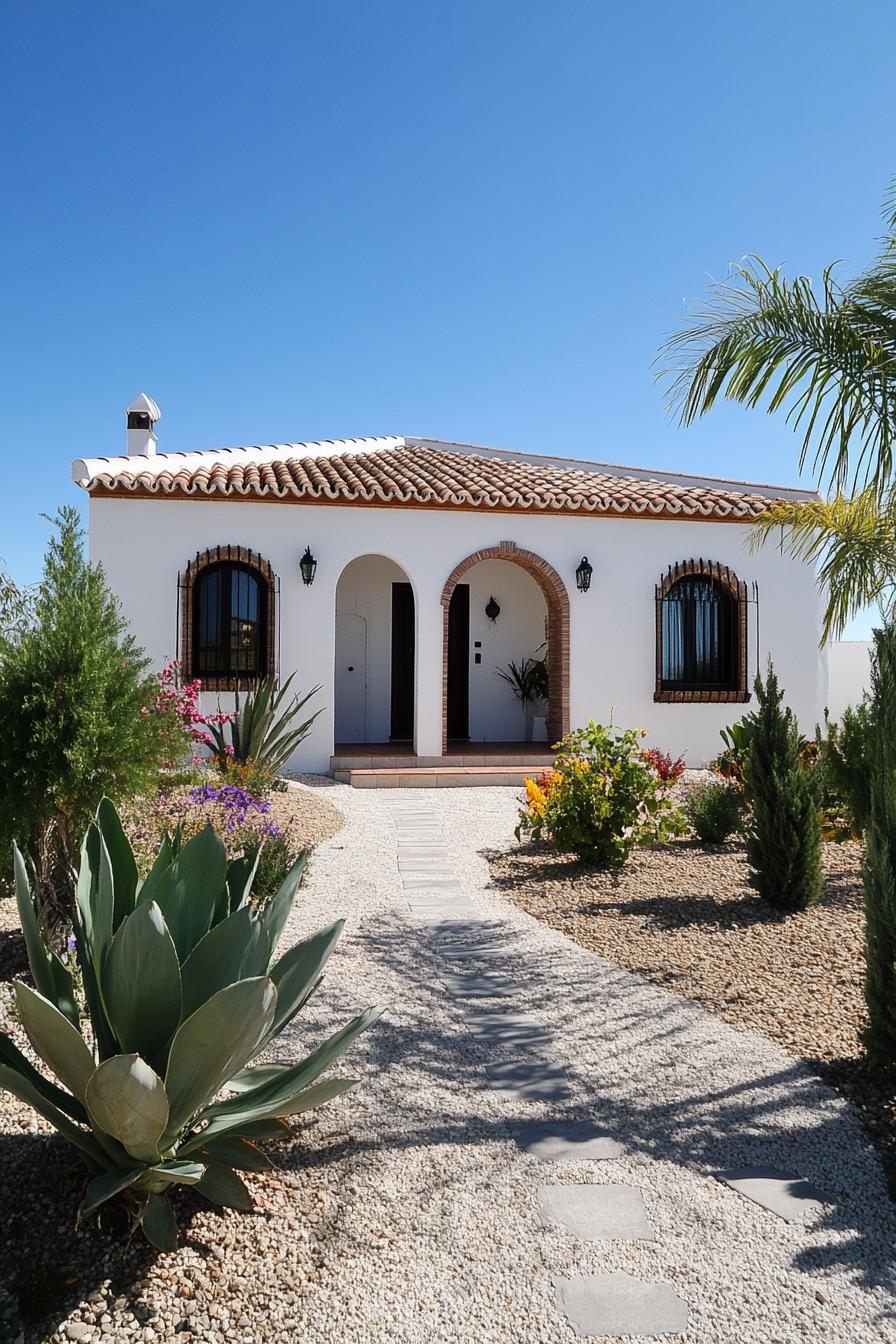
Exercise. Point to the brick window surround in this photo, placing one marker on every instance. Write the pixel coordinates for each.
(736, 591)
(557, 600)
(261, 569)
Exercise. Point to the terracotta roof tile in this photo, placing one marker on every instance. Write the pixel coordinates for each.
(423, 476)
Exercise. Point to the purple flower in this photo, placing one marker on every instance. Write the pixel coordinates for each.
(71, 943)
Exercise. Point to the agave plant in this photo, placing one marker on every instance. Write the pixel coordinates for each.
(181, 992)
(261, 730)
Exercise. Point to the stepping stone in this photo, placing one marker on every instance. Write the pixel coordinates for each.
(595, 1212)
(533, 1080)
(576, 1141)
(475, 986)
(618, 1304)
(441, 912)
(453, 935)
(507, 1029)
(790, 1197)
(428, 882)
(423, 861)
(475, 951)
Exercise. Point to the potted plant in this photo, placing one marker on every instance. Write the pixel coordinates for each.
(528, 680)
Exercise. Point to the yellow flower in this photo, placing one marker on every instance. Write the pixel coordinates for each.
(535, 797)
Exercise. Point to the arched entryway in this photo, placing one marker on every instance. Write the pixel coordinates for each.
(555, 614)
(375, 667)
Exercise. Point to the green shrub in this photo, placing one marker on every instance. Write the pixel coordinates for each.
(78, 713)
(181, 991)
(783, 838)
(275, 859)
(844, 757)
(601, 799)
(714, 811)
(880, 854)
(263, 730)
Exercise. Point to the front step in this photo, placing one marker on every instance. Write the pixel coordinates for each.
(441, 776)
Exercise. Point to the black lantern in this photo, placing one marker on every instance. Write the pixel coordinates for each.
(583, 575)
(492, 610)
(308, 566)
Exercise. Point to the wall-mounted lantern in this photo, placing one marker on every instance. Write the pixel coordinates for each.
(308, 566)
(492, 610)
(583, 574)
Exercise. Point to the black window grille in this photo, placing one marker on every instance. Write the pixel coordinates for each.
(700, 633)
(230, 625)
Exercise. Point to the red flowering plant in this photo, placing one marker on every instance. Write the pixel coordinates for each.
(177, 703)
(667, 769)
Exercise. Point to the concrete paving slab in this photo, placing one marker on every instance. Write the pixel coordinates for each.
(790, 1197)
(618, 1305)
(528, 1080)
(595, 1212)
(477, 951)
(473, 986)
(575, 1141)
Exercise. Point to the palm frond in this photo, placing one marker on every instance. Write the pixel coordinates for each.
(828, 362)
(852, 540)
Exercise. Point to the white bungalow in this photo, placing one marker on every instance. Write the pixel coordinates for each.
(404, 574)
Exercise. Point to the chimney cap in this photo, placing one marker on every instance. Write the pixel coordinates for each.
(144, 405)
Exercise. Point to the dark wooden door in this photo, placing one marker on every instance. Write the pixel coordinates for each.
(459, 664)
(403, 639)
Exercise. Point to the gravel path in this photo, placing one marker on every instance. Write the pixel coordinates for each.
(406, 1214)
(438, 1236)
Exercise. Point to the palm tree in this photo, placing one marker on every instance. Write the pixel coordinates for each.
(828, 361)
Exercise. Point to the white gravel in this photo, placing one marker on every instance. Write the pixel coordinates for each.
(437, 1237)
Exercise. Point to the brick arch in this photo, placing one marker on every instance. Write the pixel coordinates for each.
(186, 580)
(557, 601)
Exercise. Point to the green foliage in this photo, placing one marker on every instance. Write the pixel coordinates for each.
(181, 991)
(783, 838)
(75, 705)
(714, 811)
(844, 762)
(528, 679)
(601, 799)
(264, 730)
(273, 861)
(880, 854)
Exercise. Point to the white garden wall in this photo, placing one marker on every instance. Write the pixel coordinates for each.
(144, 543)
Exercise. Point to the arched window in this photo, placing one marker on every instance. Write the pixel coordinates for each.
(701, 634)
(227, 623)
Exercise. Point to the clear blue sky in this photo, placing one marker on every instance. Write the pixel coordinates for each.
(474, 221)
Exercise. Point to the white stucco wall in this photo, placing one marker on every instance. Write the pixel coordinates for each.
(849, 664)
(144, 543)
(362, 699)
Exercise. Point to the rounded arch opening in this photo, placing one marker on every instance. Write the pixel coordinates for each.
(554, 614)
(375, 673)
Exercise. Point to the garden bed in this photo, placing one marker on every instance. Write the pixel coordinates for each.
(684, 916)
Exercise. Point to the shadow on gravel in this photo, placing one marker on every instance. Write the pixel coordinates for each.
(13, 957)
(760, 1122)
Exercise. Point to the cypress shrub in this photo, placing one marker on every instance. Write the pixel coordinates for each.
(783, 839)
(880, 855)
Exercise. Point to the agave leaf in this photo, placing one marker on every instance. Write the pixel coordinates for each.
(60, 1045)
(12, 1081)
(270, 1093)
(88, 876)
(176, 1172)
(246, 1122)
(236, 949)
(107, 1184)
(236, 1152)
(214, 1043)
(121, 856)
(157, 1221)
(12, 1058)
(299, 969)
(102, 905)
(96, 1011)
(270, 1127)
(189, 891)
(240, 876)
(276, 912)
(142, 983)
(248, 1078)
(34, 943)
(126, 1098)
(146, 890)
(221, 1185)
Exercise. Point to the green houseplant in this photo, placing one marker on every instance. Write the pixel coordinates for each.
(181, 992)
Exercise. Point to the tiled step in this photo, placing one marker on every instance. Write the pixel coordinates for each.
(534, 760)
(439, 777)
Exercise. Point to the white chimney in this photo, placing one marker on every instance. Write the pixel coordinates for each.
(143, 414)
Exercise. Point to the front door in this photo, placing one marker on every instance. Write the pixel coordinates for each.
(403, 641)
(351, 677)
(459, 664)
